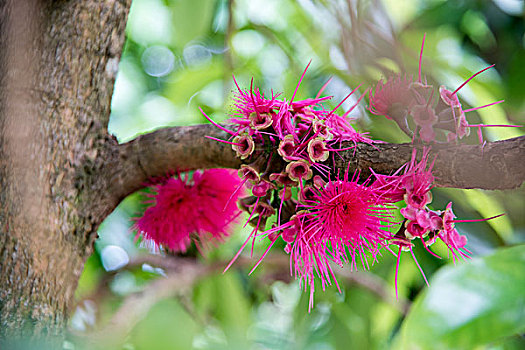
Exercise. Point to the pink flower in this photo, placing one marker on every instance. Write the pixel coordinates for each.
(424, 115)
(260, 121)
(299, 170)
(412, 182)
(427, 134)
(448, 97)
(450, 236)
(393, 99)
(409, 213)
(418, 199)
(261, 189)
(317, 151)
(321, 129)
(186, 206)
(343, 220)
(287, 148)
(415, 229)
(243, 146)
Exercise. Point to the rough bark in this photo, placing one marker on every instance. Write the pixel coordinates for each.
(60, 60)
(499, 165)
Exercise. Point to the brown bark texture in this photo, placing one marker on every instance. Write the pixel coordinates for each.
(497, 165)
(61, 173)
(59, 62)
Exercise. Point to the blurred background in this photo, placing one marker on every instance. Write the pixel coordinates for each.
(181, 54)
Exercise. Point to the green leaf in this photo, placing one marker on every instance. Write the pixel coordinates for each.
(478, 302)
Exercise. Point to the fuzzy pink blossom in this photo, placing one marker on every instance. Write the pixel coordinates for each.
(201, 207)
(392, 97)
(338, 223)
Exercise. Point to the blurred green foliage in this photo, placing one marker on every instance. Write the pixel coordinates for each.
(181, 54)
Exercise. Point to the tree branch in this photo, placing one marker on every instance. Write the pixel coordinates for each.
(498, 165)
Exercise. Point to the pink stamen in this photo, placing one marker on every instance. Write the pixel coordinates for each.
(340, 103)
(469, 79)
(322, 88)
(261, 258)
(300, 80)
(234, 192)
(421, 57)
(480, 135)
(355, 105)
(255, 235)
(253, 211)
(217, 125)
(397, 270)
(428, 250)
(333, 276)
(238, 253)
(495, 126)
(281, 207)
(490, 104)
(478, 220)
(340, 149)
(419, 267)
(237, 85)
(253, 98)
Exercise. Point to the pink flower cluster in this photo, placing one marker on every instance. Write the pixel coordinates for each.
(338, 222)
(289, 145)
(400, 97)
(185, 206)
(288, 149)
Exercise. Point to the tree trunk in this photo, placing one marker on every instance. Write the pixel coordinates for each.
(59, 62)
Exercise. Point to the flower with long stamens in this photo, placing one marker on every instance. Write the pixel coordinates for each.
(450, 236)
(448, 97)
(392, 98)
(197, 206)
(340, 222)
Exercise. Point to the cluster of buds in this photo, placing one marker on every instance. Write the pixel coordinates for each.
(286, 145)
(400, 97)
(413, 186)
